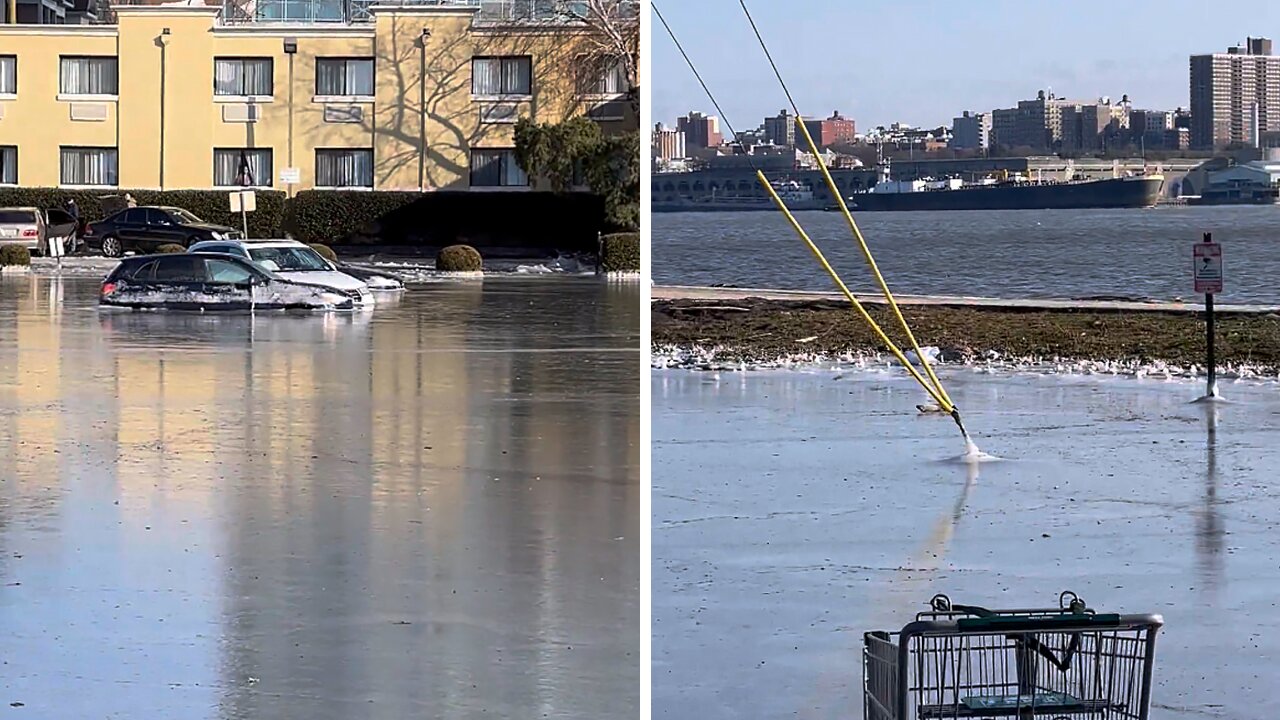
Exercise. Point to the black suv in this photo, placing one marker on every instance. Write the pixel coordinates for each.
(144, 229)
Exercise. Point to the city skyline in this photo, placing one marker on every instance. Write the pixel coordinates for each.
(906, 87)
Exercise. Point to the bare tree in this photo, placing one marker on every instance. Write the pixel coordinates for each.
(613, 37)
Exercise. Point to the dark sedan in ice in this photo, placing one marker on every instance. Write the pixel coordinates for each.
(188, 281)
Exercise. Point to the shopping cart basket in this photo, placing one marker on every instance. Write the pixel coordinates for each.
(961, 661)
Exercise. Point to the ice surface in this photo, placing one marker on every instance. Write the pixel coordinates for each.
(796, 509)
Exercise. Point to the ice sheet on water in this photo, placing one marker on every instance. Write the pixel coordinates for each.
(716, 357)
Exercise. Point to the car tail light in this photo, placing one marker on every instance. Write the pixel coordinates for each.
(30, 232)
(108, 288)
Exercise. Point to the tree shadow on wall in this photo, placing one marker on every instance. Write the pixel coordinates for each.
(431, 77)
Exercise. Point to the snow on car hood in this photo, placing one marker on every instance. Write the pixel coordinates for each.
(328, 278)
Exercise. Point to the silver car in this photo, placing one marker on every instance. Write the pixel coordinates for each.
(33, 228)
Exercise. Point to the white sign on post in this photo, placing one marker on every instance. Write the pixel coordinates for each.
(243, 201)
(290, 176)
(1207, 269)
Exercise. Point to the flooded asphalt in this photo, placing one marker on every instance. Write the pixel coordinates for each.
(429, 510)
(795, 510)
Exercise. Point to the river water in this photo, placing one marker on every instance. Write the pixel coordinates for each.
(795, 510)
(429, 510)
(1005, 254)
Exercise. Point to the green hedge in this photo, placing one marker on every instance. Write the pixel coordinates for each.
(459, 258)
(561, 221)
(14, 255)
(620, 252)
(208, 205)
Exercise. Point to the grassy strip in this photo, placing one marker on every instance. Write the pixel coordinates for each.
(755, 330)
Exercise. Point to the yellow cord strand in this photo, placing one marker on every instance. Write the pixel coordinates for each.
(940, 397)
(871, 263)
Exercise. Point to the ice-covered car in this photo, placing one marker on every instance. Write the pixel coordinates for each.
(289, 259)
(188, 281)
(376, 280)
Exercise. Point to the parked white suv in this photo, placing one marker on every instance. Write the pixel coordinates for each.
(290, 260)
(34, 228)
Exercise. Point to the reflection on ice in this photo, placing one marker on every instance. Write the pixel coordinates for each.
(414, 512)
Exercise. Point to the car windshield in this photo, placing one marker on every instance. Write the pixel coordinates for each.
(183, 216)
(289, 259)
(17, 216)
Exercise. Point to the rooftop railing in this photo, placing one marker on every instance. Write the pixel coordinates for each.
(489, 12)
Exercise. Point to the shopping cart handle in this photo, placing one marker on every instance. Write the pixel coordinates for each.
(1014, 623)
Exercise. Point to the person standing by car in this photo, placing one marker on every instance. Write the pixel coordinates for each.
(74, 211)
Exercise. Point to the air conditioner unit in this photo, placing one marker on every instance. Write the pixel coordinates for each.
(499, 113)
(89, 112)
(608, 110)
(343, 114)
(239, 113)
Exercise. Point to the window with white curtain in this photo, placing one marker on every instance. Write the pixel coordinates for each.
(496, 168)
(88, 76)
(601, 76)
(89, 166)
(8, 74)
(344, 76)
(242, 167)
(243, 77)
(344, 168)
(8, 165)
(502, 75)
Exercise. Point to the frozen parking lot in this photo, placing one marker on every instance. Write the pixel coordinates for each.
(794, 510)
(427, 510)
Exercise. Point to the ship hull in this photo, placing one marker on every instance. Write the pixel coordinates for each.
(1136, 192)
(713, 206)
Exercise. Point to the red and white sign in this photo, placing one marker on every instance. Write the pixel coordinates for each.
(1208, 267)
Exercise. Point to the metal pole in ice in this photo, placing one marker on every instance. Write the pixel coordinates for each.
(1206, 257)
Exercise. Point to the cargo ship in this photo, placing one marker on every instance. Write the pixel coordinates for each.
(1007, 193)
(796, 195)
(1000, 192)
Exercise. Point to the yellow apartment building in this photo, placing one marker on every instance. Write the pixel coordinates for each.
(294, 95)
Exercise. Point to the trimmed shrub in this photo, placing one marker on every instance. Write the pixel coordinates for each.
(325, 252)
(620, 252)
(170, 248)
(14, 255)
(459, 258)
(209, 205)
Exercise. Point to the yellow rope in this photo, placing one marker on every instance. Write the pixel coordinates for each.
(940, 397)
(871, 263)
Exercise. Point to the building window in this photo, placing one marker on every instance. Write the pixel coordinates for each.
(602, 76)
(242, 167)
(8, 75)
(88, 76)
(344, 77)
(243, 77)
(496, 168)
(89, 166)
(502, 76)
(344, 168)
(8, 165)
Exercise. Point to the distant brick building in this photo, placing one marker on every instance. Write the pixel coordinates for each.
(700, 131)
(835, 129)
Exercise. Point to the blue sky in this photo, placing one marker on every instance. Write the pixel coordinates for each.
(923, 62)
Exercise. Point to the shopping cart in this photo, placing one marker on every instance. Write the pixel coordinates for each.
(962, 661)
